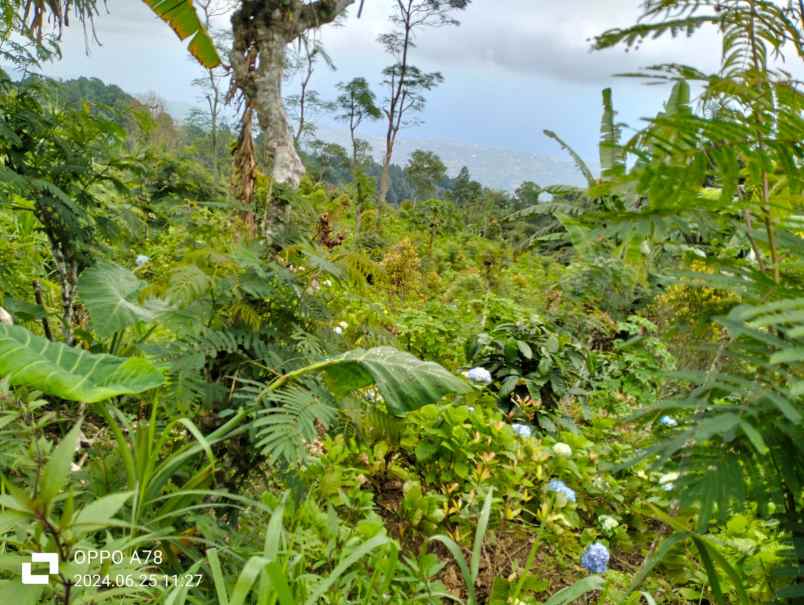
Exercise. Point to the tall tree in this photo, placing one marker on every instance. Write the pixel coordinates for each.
(464, 189)
(303, 60)
(406, 83)
(355, 104)
(425, 171)
(262, 29)
(212, 82)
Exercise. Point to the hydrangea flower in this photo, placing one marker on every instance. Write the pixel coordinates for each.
(608, 523)
(559, 487)
(668, 480)
(523, 430)
(343, 325)
(5, 317)
(141, 260)
(668, 421)
(595, 558)
(562, 450)
(480, 375)
(338, 330)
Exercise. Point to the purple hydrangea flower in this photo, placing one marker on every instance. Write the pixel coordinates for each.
(595, 558)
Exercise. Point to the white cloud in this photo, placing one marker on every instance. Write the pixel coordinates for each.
(541, 37)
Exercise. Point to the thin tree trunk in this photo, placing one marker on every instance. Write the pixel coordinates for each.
(303, 95)
(214, 109)
(385, 179)
(358, 208)
(37, 287)
(395, 109)
(68, 277)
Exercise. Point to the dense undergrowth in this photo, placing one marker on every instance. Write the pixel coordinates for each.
(591, 399)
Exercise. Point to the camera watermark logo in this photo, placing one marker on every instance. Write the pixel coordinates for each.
(52, 560)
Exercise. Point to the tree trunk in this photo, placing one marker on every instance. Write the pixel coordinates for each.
(286, 165)
(68, 277)
(261, 32)
(385, 179)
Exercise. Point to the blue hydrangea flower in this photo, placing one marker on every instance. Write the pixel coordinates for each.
(595, 558)
(141, 260)
(559, 487)
(479, 375)
(668, 421)
(523, 430)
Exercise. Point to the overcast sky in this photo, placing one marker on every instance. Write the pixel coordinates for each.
(512, 68)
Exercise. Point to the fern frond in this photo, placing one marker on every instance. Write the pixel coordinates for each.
(285, 431)
(359, 267)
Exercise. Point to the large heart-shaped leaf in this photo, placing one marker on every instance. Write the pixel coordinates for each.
(182, 17)
(69, 372)
(109, 292)
(405, 382)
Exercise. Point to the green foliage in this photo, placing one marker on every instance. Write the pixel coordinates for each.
(425, 170)
(71, 373)
(109, 293)
(185, 22)
(532, 366)
(267, 398)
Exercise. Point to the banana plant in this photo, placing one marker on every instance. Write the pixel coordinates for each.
(31, 19)
(182, 17)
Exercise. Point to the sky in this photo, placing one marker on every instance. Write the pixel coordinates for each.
(512, 68)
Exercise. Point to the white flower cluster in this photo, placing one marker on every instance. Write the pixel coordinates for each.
(5, 317)
(667, 481)
(668, 421)
(341, 328)
(562, 450)
(141, 260)
(608, 523)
